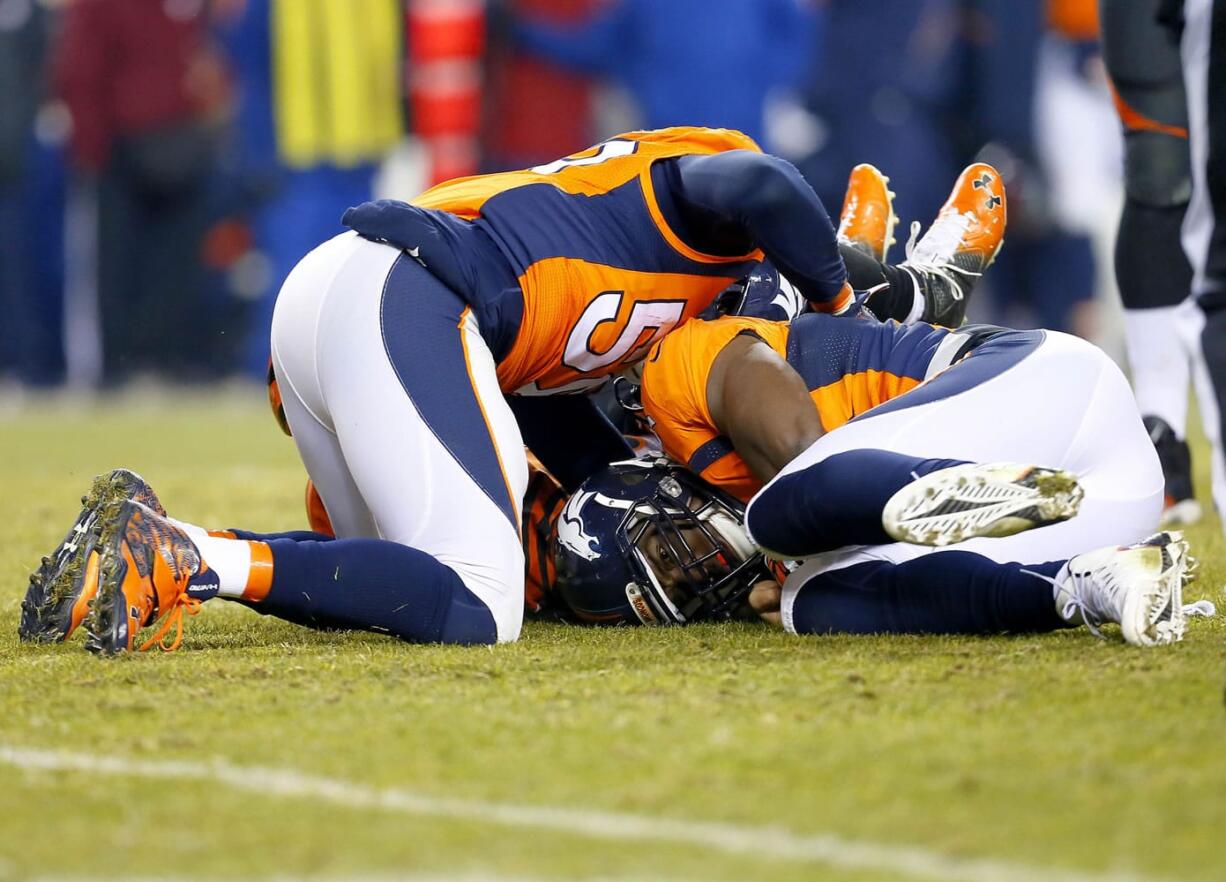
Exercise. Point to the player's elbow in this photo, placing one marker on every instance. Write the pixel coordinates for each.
(793, 438)
(767, 455)
(768, 184)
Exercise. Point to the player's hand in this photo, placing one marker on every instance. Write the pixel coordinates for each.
(859, 308)
(386, 220)
(764, 599)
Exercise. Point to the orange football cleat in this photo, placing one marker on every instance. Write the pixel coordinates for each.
(150, 570)
(867, 220)
(961, 243)
(66, 581)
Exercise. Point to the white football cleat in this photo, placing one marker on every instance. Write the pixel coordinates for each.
(980, 499)
(1139, 587)
(1181, 514)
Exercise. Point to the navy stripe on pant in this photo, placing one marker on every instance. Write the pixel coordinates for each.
(421, 319)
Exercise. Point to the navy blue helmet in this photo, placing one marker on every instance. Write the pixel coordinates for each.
(647, 542)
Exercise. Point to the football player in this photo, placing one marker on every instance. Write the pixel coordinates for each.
(392, 364)
(893, 459)
(649, 542)
(1163, 324)
(932, 284)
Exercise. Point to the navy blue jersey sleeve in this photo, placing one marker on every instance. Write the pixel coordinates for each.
(766, 199)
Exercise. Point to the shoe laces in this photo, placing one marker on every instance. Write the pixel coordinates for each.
(1096, 607)
(183, 604)
(935, 251)
(1205, 609)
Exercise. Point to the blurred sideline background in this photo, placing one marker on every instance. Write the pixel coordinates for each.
(165, 163)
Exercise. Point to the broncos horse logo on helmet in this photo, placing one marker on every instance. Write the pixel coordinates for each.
(647, 542)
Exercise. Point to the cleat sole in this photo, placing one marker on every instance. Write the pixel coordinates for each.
(52, 583)
(1154, 614)
(980, 501)
(46, 611)
(104, 633)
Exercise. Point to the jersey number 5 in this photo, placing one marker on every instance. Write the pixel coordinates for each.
(606, 151)
(657, 316)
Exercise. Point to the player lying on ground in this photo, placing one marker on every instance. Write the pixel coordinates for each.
(852, 441)
(393, 364)
(649, 542)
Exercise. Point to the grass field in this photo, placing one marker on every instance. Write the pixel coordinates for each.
(266, 751)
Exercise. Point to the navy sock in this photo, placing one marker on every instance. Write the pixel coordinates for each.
(949, 592)
(895, 300)
(373, 585)
(292, 535)
(835, 502)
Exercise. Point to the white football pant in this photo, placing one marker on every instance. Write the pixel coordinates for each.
(393, 400)
(1064, 405)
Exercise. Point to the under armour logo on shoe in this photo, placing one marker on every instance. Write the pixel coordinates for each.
(984, 180)
(994, 201)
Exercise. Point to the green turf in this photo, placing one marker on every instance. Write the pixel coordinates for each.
(1058, 751)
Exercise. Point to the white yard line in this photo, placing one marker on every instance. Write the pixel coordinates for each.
(770, 843)
(400, 877)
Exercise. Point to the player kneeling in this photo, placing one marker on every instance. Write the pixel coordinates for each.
(648, 542)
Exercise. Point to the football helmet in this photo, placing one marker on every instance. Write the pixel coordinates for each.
(764, 293)
(647, 542)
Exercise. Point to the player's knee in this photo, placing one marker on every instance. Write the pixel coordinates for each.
(466, 620)
(497, 591)
(786, 515)
(1157, 170)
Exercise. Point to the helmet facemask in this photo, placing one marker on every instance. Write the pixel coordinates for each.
(690, 556)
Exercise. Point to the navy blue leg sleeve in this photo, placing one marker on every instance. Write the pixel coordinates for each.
(949, 592)
(835, 502)
(373, 585)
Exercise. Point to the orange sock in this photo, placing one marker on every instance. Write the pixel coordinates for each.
(243, 568)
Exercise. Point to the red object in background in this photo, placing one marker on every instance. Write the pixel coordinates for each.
(1073, 19)
(440, 30)
(225, 243)
(129, 66)
(446, 41)
(536, 111)
(446, 97)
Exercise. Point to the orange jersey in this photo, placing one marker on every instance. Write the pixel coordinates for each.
(849, 366)
(603, 275)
